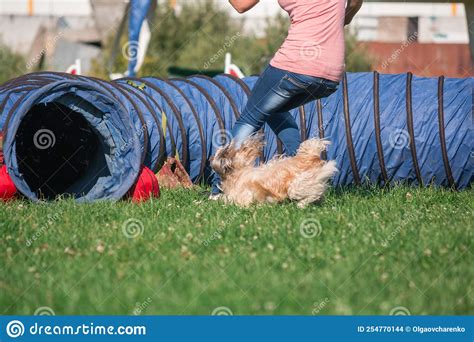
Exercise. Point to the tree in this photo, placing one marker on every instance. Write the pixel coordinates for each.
(357, 56)
(11, 64)
(199, 35)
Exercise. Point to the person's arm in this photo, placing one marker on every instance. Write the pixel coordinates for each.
(243, 6)
(353, 6)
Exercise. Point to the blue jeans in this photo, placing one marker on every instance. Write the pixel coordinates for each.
(275, 93)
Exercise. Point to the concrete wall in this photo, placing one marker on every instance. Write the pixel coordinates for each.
(469, 11)
(46, 7)
(451, 60)
(67, 52)
(437, 23)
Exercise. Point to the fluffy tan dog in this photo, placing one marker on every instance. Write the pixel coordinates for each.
(302, 178)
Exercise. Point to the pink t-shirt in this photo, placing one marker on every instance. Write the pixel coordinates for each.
(315, 42)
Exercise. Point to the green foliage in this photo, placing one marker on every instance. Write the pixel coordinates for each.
(11, 64)
(199, 35)
(197, 38)
(375, 249)
(275, 33)
(357, 57)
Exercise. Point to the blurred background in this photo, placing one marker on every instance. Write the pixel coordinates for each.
(194, 36)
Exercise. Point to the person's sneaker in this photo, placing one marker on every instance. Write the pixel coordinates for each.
(216, 197)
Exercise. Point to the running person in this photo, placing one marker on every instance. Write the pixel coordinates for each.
(308, 66)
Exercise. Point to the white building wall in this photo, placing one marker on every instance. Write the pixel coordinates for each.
(46, 7)
(438, 22)
(443, 30)
(412, 9)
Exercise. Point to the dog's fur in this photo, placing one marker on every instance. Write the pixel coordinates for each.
(302, 178)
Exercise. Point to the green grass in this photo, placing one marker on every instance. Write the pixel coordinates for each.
(372, 250)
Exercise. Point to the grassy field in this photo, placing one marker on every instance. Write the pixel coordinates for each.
(362, 251)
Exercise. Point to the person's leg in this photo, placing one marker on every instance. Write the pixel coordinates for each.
(276, 92)
(264, 101)
(286, 129)
(283, 124)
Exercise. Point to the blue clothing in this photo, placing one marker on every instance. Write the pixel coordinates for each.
(138, 14)
(275, 93)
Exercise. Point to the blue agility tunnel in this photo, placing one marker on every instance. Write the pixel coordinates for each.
(88, 138)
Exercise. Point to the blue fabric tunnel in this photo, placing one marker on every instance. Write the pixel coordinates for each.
(87, 138)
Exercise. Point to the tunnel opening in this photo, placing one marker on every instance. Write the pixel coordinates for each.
(58, 152)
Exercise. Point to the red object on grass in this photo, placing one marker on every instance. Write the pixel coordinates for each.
(145, 187)
(7, 188)
(1, 148)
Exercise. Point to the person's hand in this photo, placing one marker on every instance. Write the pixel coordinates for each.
(243, 6)
(353, 6)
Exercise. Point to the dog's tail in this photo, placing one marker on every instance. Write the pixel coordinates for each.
(313, 147)
(310, 186)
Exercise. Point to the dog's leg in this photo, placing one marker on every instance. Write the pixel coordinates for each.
(310, 186)
(303, 203)
(244, 201)
(242, 198)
